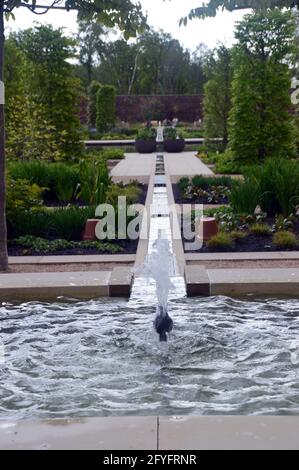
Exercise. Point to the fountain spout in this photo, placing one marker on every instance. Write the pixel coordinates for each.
(163, 323)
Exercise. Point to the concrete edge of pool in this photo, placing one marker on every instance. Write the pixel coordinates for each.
(154, 433)
(200, 282)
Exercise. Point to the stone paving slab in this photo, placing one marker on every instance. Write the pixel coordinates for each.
(229, 433)
(46, 285)
(134, 167)
(73, 259)
(185, 164)
(136, 433)
(237, 282)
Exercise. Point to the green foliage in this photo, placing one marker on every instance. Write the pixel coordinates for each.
(227, 165)
(217, 95)
(61, 180)
(206, 182)
(67, 223)
(93, 89)
(227, 220)
(94, 181)
(43, 246)
(221, 240)
(238, 235)
(285, 239)
(283, 223)
(260, 229)
(131, 192)
(278, 181)
(170, 133)
(21, 196)
(261, 124)
(146, 134)
(245, 196)
(112, 154)
(183, 184)
(106, 108)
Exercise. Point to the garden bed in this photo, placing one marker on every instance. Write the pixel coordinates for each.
(250, 243)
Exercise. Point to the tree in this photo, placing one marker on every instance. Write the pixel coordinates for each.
(106, 108)
(261, 124)
(53, 85)
(92, 103)
(212, 7)
(125, 14)
(91, 44)
(217, 95)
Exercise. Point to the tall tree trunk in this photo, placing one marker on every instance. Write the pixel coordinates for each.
(3, 231)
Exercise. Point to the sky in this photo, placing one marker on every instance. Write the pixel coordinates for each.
(161, 14)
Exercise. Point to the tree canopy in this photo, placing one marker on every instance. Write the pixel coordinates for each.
(211, 7)
(124, 14)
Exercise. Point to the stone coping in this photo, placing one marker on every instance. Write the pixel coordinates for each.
(153, 433)
(72, 259)
(87, 284)
(250, 256)
(239, 282)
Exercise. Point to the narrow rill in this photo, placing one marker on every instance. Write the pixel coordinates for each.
(158, 279)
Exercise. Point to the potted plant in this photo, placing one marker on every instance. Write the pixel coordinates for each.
(173, 142)
(146, 140)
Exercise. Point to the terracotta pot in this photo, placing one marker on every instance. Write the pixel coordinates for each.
(174, 146)
(90, 230)
(145, 146)
(208, 227)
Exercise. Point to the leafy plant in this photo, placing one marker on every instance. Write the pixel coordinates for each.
(94, 182)
(283, 224)
(170, 133)
(244, 197)
(21, 196)
(44, 246)
(285, 239)
(147, 133)
(227, 220)
(238, 235)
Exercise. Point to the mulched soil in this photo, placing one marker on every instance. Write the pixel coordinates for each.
(252, 243)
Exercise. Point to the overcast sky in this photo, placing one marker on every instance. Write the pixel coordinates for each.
(164, 15)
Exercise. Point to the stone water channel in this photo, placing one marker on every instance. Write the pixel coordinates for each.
(144, 288)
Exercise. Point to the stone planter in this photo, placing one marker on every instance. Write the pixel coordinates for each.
(174, 146)
(90, 230)
(145, 146)
(208, 227)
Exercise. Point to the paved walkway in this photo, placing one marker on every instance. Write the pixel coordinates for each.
(140, 166)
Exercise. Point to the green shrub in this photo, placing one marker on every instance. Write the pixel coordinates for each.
(66, 223)
(131, 192)
(183, 184)
(278, 180)
(206, 182)
(112, 154)
(284, 223)
(21, 196)
(94, 182)
(238, 235)
(260, 229)
(93, 89)
(170, 133)
(44, 246)
(106, 108)
(221, 240)
(285, 239)
(59, 179)
(244, 197)
(147, 133)
(226, 165)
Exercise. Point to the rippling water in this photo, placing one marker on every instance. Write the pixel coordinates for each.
(102, 358)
